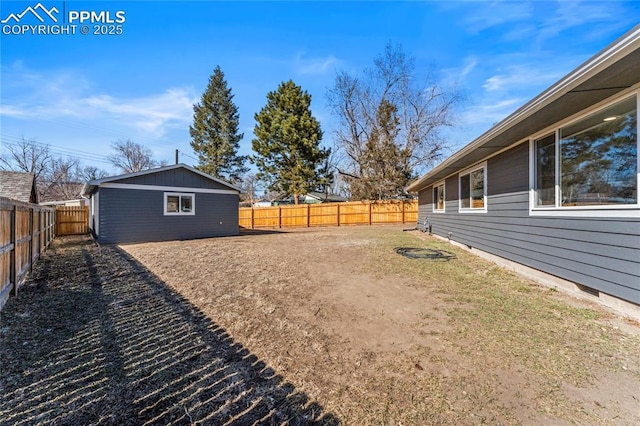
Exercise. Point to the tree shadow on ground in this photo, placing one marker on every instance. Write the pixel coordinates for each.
(95, 338)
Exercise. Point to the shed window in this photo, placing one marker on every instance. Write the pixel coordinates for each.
(473, 190)
(438, 198)
(179, 204)
(590, 162)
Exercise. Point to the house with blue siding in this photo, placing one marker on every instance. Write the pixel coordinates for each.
(175, 202)
(553, 187)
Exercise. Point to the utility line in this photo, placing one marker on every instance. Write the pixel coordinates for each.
(188, 156)
(57, 150)
(16, 140)
(94, 128)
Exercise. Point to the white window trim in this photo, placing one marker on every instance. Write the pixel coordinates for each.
(611, 210)
(434, 207)
(472, 209)
(180, 194)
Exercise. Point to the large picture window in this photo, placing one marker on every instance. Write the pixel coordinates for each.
(473, 190)
(591, 162)
(179, 204)
(599, 157)
(438, 198)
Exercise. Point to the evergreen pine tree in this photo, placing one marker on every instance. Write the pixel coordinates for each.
(214, 133)
(287, 144)
(383, 166)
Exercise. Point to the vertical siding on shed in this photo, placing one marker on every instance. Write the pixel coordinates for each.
(601, 253)
(128, 215)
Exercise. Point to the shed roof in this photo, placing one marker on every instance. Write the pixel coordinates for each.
(18, 186)
(609, 72)
(90, 186)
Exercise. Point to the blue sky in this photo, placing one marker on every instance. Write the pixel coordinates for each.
(79, 93)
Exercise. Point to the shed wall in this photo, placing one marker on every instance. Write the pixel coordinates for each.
(601, 253)
(127, 216)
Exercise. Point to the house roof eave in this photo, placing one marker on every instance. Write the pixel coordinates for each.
(627, 45)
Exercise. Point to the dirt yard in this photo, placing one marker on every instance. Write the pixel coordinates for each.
(310, 326)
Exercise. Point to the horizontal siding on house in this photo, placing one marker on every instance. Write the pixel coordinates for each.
(135, 215)
(601, 253)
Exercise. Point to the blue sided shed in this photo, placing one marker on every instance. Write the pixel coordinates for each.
(175, 202)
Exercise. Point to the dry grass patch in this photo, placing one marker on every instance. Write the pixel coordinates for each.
(313, 326)
(379, 338)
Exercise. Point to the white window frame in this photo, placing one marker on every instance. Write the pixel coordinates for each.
(435, 208)
(609, 210)
(468, 171)
(180, 195)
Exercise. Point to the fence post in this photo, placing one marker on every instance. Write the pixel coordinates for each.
(279, 217)
(402, 206)
(47, 228)
(252, 218)
(370, 214)
(338, 205)
(14, 259)
(308, 215)
(31, 235)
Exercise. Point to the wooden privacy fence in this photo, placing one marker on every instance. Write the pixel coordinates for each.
(72, 220)
(330, 214)
(26, 230)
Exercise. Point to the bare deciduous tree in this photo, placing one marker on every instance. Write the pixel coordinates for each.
(56, 178)
(249, 188)
(62, 180)
(26, 156)
(422, 108)
(92, 173)
(131, 157)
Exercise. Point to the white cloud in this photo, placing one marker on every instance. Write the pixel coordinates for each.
(470, 64)
(315, 65)
(571, 14)
(63, 94)
(461, 74)
(517, 76)
(491, 113)
(540, 21)
(488, 15)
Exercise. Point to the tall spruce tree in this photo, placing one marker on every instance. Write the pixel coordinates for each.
(214, 133)
(287, 144)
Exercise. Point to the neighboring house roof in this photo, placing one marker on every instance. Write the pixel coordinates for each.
(329, 198)
(320, 196)
(18, 186)
(612, 70)
(75, 202)
(91, 186)
(262, 204)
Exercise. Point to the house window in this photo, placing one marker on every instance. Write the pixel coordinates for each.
(591, 162)
(473, 190)
(438, 198)
(179, 204)
(545, 157)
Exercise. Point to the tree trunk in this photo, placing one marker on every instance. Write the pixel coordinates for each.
(295, 199)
